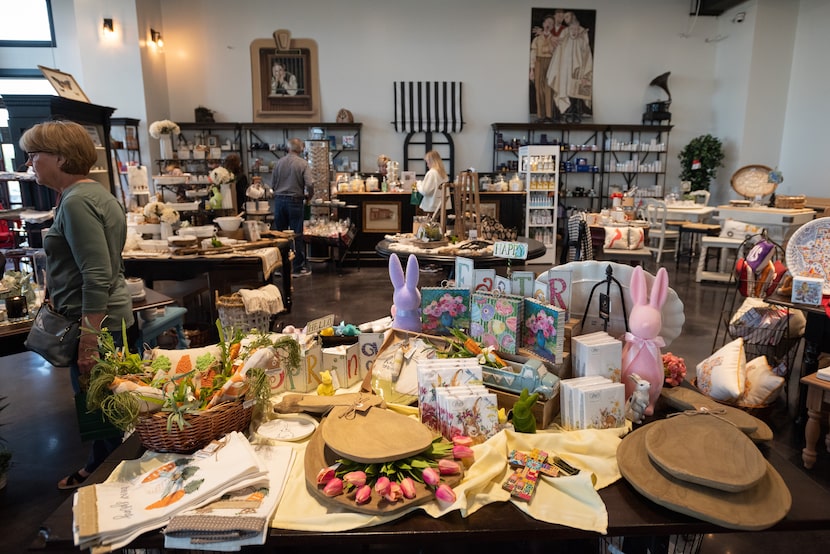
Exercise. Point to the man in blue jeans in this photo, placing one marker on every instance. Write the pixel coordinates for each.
(292, 186)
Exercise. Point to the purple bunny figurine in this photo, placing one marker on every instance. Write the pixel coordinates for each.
(641, 351)
(406, 300)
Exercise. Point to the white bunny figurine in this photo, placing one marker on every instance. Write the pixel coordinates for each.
(636, 404)
(641, 352)
(406, 300)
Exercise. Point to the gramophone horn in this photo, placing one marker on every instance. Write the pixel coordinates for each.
(662, 81)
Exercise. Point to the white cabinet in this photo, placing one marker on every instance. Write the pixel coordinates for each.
(539, 167)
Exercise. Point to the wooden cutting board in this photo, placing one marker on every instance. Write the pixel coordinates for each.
(754, 509)
(319, 456)
(705, 450)
(374, 435)
(684, 398)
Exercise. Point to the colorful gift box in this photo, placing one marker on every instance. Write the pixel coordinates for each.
(307, 376)
(443, 309)
(343, 361)
(543, 329)
(495, 320)
(370, 344)
(807, 290)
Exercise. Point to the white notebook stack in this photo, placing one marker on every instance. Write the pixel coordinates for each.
(592, 402)
(597, 354)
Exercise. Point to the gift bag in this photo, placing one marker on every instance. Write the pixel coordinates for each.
(543, 329)
(444, 308)
(495, 320)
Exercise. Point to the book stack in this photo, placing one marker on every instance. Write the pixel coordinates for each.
(597, 353)
(452, 399)
(592, 402)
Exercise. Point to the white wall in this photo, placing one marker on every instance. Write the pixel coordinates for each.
(365, 45)
(805, 143)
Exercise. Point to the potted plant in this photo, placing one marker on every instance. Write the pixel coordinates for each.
(5, 453)
(700, 160)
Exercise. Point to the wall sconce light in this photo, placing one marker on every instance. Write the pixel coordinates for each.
(108, 25)
(155, 36)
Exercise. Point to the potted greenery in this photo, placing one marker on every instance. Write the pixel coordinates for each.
(5, 453)
(700, 160)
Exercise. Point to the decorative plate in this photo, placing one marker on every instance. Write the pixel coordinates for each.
(753, 180)
(288, 427)
(808, 251)
(584, 275)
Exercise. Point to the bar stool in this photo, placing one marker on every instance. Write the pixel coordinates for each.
(695, 231)
(172, 318)
(724, 269)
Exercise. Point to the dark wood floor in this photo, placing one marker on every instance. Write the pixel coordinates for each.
(40, 423)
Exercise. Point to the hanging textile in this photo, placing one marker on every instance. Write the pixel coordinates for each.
(579, 239)
(428, 106)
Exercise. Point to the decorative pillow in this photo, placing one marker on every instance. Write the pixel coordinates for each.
(616, 238)
(734, 229)
(760, 255)
(636, 238)
(723, 374)
(762, 385)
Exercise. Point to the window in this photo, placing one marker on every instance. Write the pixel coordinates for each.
(27, 24)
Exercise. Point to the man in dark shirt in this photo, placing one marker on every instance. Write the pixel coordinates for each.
(292, 186)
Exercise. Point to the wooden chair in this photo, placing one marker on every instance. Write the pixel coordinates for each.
(701, 193)
(655, 213)
(466, 204)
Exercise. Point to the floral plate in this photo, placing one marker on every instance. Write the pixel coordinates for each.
(808, 251)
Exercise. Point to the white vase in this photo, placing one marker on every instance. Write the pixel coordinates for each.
(166, 147)
(166, 230)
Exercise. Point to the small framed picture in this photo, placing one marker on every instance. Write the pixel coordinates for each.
(489, 208)
(348, 142)
(64, 84)
(92, 131)
(382, 217)
(212, 141)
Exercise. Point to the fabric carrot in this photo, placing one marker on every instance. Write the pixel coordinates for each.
(184, 365)
(167, 500)
(258, 495)
(166, 468)
(234, 350)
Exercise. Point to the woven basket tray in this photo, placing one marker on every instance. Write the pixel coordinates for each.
(232, 314)
(203, 428)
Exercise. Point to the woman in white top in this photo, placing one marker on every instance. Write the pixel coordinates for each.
(430, 186)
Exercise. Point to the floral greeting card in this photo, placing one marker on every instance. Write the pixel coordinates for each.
(494, 320)
(543, 330)
(443, 309)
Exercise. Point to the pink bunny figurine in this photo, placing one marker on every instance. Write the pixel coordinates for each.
(641, 353)
(406, 300)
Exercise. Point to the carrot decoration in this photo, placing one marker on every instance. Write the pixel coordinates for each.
(234, 350)
(167, 500)
(184, 365)
(164, 469)
(258, 495)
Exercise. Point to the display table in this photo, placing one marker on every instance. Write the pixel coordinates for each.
(818, 394)
(224, 274)
(535, 249)
(780, 223)
(629, 514)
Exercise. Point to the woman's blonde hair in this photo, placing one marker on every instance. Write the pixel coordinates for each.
(435, 161)
(65, 138)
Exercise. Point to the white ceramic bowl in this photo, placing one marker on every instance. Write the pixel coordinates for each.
(229, 223)
(200, 231)
(154, 246)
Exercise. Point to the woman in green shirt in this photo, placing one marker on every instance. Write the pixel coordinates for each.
(84, 269)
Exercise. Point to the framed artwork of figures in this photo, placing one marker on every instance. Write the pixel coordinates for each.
(284, 78)
(381, 217)
(64, 84)
(561, 75)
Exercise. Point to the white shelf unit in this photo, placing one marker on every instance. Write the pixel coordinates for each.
(539, 167)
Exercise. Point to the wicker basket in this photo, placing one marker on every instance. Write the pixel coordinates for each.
(798, 202)
(232, 314)
(202, 428)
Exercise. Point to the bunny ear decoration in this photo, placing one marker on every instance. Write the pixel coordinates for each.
(638, 287)
(395, 271)
(660, 288)
(412, 272)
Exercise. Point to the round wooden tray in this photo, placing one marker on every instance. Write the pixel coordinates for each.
(754, 509)
(705, 450)
(752, 180)
(319, 456)
(375, 435)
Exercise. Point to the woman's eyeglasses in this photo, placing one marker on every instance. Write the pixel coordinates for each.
(33, 154)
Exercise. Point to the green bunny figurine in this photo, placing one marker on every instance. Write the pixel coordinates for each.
(523, 420)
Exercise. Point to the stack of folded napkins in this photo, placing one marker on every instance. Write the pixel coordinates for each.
(110, 515)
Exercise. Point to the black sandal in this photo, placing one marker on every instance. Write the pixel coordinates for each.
(72, 482)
